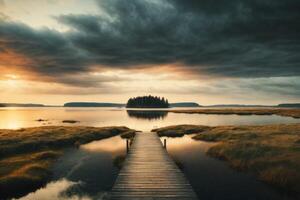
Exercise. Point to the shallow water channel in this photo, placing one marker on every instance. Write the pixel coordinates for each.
(215, 179)
(84, 173)
(89, 173)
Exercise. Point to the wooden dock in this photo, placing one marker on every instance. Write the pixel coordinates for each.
(150, 173)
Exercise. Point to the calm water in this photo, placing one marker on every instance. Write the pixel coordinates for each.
(85, 173)
(14, 118)
(89, 172)
(213, 179)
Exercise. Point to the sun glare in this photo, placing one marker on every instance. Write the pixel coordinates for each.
(11, 76)
(11, 80)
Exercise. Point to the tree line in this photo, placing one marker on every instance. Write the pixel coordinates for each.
(147, 102)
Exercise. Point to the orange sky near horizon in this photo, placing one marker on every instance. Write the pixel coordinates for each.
(54, 51)
(20, 85)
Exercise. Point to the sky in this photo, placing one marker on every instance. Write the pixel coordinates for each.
(206, 51)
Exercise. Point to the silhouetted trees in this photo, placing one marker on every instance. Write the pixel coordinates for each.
(147, 102)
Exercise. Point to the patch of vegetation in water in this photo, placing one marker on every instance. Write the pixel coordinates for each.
(25, 172)
(179, 131)
(291, 112)
(70, 121)
(128, 134)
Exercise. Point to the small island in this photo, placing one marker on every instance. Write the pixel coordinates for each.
(147, 102)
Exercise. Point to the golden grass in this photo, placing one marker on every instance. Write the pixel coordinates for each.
(128, 135)
(53, 137)
(179, 131)
(271, 152)
(27, 154)
(288, 112)
(22, 173)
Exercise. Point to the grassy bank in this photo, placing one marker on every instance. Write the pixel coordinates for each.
(287, 112)
(27, 154)
(179, 130)
(271, 152)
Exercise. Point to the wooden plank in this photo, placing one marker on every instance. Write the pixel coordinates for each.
(150, 173)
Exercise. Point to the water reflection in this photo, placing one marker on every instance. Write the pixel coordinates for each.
(147, 114)
(214, 179)
(85, 173)
(57, 190)
(119, 161)
(113, 145)
(27, 117)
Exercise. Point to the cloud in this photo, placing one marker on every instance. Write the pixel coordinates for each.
(2, 3)
(49, 51)
(236, 39)
(239, 39)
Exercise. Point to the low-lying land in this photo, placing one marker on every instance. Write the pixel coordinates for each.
(271, 152)
(179, 130)
(287, 112)
(27, 154)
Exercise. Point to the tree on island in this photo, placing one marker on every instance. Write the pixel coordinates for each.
(147, 102)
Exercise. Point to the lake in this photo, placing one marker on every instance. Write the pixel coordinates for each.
(88, 172)
(13, 118)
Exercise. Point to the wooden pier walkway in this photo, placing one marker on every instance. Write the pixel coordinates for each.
(150, 173)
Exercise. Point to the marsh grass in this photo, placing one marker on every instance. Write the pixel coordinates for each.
(287, 112)
(51, 137)
(26, 155)
(271, 152)
(128, 134)
(179, 131)
(22, 173)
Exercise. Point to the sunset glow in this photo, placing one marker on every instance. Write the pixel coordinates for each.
(149, 99)
(57, 51)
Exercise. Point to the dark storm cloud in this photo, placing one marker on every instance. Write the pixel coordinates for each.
(50, 51)
(234, 38)
(231, 38)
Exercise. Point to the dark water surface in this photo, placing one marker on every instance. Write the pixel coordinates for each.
(85, 173)
(213, 179)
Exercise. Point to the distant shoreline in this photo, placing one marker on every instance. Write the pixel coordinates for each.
(280, 111)
(172, 105)
(286, 112)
